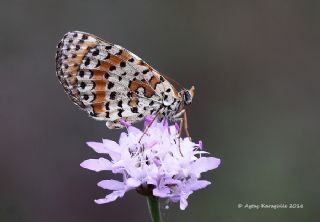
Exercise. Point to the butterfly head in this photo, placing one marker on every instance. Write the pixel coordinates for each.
(188, 95)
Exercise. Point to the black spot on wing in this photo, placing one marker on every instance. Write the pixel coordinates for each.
(87, 62)
(98, 64)
(85, 36)
(85, 97)
(107, 56)
(113, 95)
(92, 114)
(129, 94)
(110, 85)
(120, 52)
(95, 52)
(81, 73)
(134, 109)
(83, 85)
(107, 106)
(120, 111)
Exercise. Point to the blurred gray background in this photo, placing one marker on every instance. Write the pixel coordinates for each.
(255, 65)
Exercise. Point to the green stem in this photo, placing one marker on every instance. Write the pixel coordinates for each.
(154, 208)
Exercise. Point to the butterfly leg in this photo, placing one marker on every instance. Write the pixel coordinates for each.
(185, 119)
(178, 115)
(183, 124)
(177, 118)
(146, 129)
(180, 133)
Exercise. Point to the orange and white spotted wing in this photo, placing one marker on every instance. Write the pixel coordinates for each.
(110, 82)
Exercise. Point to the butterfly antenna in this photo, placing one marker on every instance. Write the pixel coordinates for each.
(173, 81)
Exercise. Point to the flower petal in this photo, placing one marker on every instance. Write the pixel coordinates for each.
(97, 164)
(204, 164)
(200, 144)
(134, 130)
(111, 185)
(147, 120)
(183, 203)
(163, 193)
(110, 145)
(176, 125)
(112, 148)
(97, 147)
(111, 197)
(132, 182)
(125, 123)
(199, 184)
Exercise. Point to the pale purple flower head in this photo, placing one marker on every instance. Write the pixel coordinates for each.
(154, 166)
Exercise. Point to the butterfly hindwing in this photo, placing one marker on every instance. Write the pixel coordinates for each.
(108, 81)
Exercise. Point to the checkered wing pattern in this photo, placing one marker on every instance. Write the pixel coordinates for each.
(110, 82)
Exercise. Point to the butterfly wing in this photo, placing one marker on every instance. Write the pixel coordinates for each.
(108, 81)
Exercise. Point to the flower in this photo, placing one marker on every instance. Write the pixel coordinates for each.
(152, 163)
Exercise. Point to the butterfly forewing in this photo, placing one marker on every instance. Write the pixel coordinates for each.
(108, 81)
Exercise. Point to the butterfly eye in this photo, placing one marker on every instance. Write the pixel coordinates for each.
(187, 97)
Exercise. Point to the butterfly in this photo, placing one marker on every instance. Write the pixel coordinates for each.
(113, 85)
